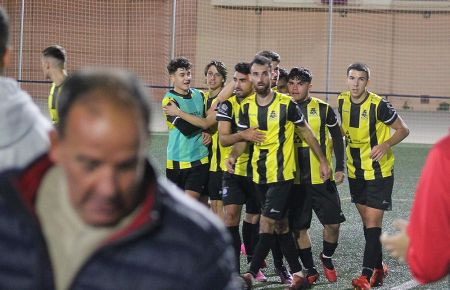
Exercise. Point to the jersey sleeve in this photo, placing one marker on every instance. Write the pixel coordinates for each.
(386, 112)
(331, 120)
(244, 121)
(429, 226)
(224, 112)
(295, 114)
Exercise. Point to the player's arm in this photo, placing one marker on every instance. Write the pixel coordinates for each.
(184, 127)
(172, 110)
(236, 151)
(227, 138)
(338, 144)
(389, 116)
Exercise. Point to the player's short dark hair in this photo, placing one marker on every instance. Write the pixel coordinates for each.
(243, 68)
(261, 60)
(4, 32)
(179, 62)
(272, 55)
(115, 85)
(55, 51)
(304, 75)
(359, 66)
(220, 66)
(283, 74)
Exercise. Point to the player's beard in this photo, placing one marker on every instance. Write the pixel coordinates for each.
(263, 91)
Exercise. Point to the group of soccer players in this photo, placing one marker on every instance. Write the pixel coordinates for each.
(270, 147)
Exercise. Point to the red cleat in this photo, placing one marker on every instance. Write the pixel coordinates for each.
(361, 283)
(312, 279)
(378, 276)
(330, 274)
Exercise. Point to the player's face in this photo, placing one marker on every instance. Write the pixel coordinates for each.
(45, 67)
(357, 83)
(103, 157)
(181, 80)
(243, 86)
(282, 86)
(298, 90)
(214, 79)
(275, 72)
(261, 78)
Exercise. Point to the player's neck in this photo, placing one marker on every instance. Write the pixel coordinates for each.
(181, 91)
(58, 77)
(265, 98)
(359, 99)
(214, 93)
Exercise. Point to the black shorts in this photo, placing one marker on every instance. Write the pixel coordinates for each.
(274, 198)
(322, 198)
(375, 193)
(240, 190)
(215, 185)
(193, 178)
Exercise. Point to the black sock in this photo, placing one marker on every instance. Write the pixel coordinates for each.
(236, 239)
(327, 253)
(255, 237)
(372, 250)
(265, 243)
(277, 254)
(306, 257)
(379, 263)
(289, 250)
(247, 237)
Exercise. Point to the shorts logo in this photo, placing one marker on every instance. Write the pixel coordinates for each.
(225, 191)
(385, 202)
(272, 210)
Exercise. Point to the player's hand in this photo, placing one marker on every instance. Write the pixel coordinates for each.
(397, 244)
(339, 177)
(379, 151)
(171, 109)
(229, 163)
(325, 171)
(253, 135)
(206, 138)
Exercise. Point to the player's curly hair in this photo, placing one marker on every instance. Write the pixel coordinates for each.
(243, 68)
(300, 73)
(179, 62)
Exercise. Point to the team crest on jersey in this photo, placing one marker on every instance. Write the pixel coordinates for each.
(273, 115)
(313, 112)
(364, 114)
(348, 138)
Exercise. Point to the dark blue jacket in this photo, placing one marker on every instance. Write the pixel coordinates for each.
(173, 243)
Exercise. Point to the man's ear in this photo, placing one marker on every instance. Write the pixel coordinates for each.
(55, 146)
(6, 59)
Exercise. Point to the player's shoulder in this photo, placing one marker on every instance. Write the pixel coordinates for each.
(249, 99)
(345, 95)
(319, 101)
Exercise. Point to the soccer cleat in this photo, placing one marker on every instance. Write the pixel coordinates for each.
(312, 278)
(260, 277)
(285, 276)
(298, 282)
(330, 274)
(378, 276)
(361, 283)
(243, 252)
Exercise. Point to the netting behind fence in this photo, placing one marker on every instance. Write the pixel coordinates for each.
(406, 48)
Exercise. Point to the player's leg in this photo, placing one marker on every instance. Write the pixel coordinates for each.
(195, 180)
(215, 193)
(327, 206)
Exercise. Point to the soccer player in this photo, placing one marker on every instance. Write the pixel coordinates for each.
(309, 190)
(187, 156)
(273, 164)
(23, 128)
(238, 187)
(282, 83)
(216, 74)
(53, 62)
(280, 269)
(366, 122)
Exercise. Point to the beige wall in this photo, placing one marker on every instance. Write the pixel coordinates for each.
(408, 54)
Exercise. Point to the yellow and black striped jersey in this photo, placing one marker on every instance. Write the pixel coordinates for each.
(53, 102)
(217, 153)
(320, 116)
(366, 125)
(228, 111)
(273, 159)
